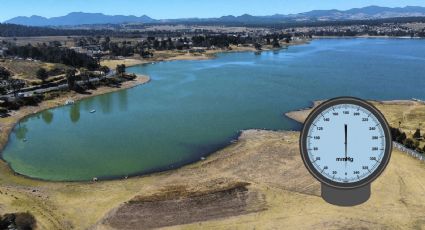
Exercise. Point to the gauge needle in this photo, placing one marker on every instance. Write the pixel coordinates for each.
(345, 143)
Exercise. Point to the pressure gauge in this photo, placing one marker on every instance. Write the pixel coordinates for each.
(345, 144)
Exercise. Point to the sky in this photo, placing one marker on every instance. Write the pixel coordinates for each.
(169, 9)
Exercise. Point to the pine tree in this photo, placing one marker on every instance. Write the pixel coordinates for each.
(417, 134)
(42, 74)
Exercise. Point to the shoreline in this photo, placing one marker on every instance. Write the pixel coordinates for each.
(300, 115)
(211, 54)
(8, 124)
(367, 36)
(27, 111)
(186, 56)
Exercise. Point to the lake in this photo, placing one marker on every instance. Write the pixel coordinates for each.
(193, 108)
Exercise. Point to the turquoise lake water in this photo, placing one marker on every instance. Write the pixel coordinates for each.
(192, 108)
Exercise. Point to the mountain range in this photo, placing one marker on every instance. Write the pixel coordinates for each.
(370, 12)
(78, 18)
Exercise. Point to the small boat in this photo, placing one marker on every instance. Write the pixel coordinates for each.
(92, 111)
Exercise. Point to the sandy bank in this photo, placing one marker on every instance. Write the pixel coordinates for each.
(112, 64)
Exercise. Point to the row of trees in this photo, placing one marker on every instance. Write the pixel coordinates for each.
(7, 83)
(411, 143)
(12, 30)
(223, 40)
(127, 48)
(53, 54)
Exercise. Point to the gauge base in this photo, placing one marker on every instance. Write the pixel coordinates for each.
(345, 197)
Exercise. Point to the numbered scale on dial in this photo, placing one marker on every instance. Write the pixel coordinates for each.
(346, 144)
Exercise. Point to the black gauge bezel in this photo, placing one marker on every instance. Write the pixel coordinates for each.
(317, 112)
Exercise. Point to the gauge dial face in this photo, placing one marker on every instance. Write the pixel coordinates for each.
(346, 142)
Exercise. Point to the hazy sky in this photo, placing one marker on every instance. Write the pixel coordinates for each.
(162, 9)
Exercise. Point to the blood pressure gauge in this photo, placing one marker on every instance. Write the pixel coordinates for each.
(345, 144)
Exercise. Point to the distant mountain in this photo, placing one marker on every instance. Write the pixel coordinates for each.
(370, 12)
(79, 18)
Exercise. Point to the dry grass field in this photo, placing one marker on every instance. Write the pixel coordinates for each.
(259, 182)
(26, 70)
(67, 40)
(406, 115)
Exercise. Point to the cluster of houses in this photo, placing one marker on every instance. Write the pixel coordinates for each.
(388, 29)
(91, 50)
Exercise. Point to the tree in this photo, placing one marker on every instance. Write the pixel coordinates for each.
(416, 146)
(276, 43)
(105, 69)
(70, 78)
(395, 133)
(4, 73)
(288, 40)
(156, 44)
(417, 134)
(85, 76)
(3, 90)
(42, 74)
(146, 54)
(120, 69)
(16, 86)
(401, 138)
(54, 54)
(411, 144)
(257, 46)
(20, 220)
